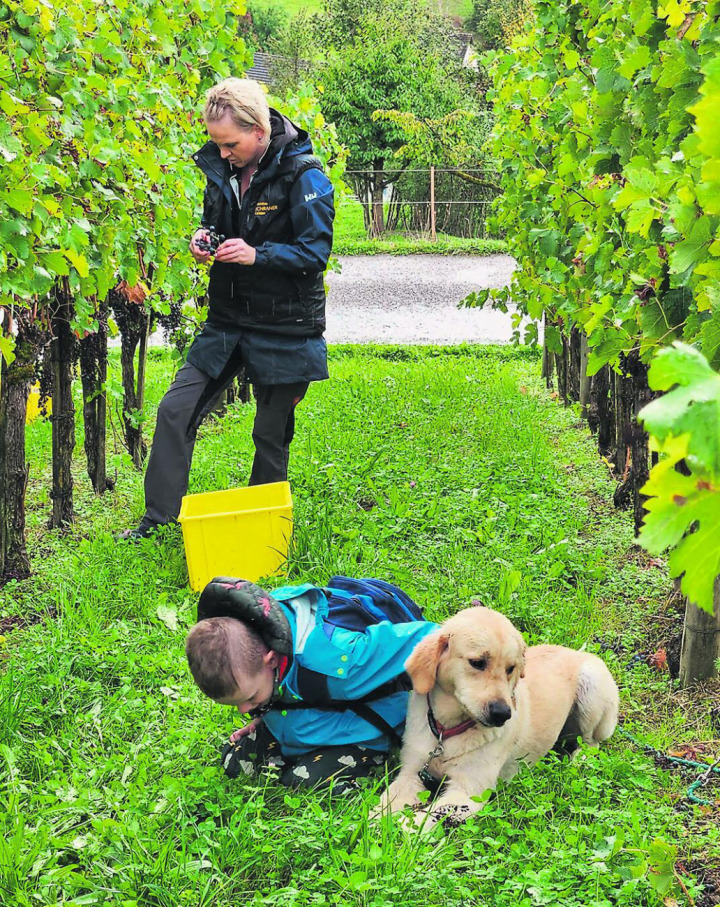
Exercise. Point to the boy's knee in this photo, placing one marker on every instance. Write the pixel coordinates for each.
(249, 755)
(236, 761)
(340, 767)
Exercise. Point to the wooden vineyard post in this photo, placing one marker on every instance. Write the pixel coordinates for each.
(433, 230)
(584, 380)
(93, 374)
(14, 470)
(701, 642)
(63, 407)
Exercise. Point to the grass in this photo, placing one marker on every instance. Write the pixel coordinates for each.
(349, 223)
(461, 8)
(448, 471)
(350, 238)
(400, 244)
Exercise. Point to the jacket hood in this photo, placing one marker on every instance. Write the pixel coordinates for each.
(227, 596)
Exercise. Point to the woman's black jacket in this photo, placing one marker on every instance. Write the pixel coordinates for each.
(287, 216)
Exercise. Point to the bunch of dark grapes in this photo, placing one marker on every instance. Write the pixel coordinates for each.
(130, 317)
(44, 375)
(211, 240)
(172, 327)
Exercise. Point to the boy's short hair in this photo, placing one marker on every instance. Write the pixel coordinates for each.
(221, 652)
(243, 99)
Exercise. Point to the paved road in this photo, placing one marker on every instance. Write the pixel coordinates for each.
(413, 299)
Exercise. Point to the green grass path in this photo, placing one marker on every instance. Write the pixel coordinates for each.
(450, 472)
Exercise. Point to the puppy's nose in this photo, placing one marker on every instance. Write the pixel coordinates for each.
(498, 712)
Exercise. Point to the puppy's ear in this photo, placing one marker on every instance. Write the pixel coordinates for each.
(423, 663)
(521, 660)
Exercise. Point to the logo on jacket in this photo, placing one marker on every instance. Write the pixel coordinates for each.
(263, 208)
(311, 196)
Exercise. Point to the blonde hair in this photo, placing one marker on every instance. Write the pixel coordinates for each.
(222, 652)
(243, 99)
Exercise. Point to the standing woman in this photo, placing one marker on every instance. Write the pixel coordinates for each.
(268, 196)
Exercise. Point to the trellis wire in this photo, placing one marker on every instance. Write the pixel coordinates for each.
(406, 207)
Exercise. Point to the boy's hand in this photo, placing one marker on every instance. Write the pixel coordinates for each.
(244, 731)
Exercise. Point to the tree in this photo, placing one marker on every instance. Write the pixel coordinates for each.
(266, 21)
(98, 107)
(383, 56)
(294, 48)
(493, 22)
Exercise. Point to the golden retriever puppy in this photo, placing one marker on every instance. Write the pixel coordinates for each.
(482, 703)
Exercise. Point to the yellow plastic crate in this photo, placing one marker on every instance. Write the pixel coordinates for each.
(241, 532)
(33, 405)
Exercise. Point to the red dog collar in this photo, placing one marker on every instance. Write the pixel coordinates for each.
(442, 732)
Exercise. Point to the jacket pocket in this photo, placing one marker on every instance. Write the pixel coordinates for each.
(268, 307)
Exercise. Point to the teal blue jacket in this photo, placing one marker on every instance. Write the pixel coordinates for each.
(355, 663)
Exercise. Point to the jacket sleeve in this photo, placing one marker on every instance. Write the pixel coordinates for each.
(312, 211)
(205, 220)
(373, 657)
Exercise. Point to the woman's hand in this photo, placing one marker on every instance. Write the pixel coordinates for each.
(198, 254)
(244, 731)
(236, 251)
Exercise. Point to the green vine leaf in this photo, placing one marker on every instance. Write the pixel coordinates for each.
(684, 510)
(7, 348)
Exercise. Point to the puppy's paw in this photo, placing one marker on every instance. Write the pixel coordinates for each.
(421, 821)
(416, 821)
(382, 809)
(452, 814)
(396, 798)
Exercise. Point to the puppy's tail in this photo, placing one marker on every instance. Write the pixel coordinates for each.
(597, 702)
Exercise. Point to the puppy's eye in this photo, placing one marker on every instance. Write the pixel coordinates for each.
(509, 670)
(478, 663)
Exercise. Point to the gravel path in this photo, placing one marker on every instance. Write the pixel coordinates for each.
(413, 299)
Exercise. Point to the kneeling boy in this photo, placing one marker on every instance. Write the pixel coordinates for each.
(325, 701)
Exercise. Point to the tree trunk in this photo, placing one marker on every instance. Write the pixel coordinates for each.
(573, 371)
(93, 372)
(701, 642)
(612, 424)
(134, 322)
(561, 366)
(62, 350)
(15, 384)
(361, 184)
(142, 360)
(238, 390)
(548, 362)
(131, 410)
(244, 388)
(378, 213)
